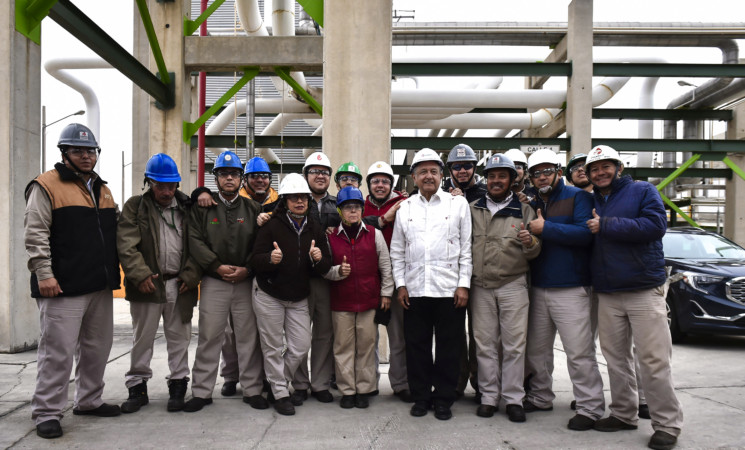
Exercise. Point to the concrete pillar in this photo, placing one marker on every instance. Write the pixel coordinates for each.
(20, 156)
(140, 106)
(579, 84)
(734, 203)
(357, 82)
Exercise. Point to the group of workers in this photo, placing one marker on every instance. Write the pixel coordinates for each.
(276, 274)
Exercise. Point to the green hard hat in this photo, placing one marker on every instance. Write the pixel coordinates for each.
(348, 167)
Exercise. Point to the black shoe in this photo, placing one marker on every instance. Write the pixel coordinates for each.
(361, 401)
(644, 411)
(515, 413)
(196, 403)
(659, 441)
(443, 412)
(49, 429)
(323, 396)
(573, 405)
(105, 410)
(373, 393)
(611, 424)
(405, 396)
(486, 410)
(284, 406)
(137, 398)
(299, 396)
(176, 394)
(228, 388)
(256, 401)
(530, 407)
(347, 401)
(270, 397)
(419, 409)
(580, 423)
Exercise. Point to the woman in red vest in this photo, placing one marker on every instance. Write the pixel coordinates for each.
(361, 281)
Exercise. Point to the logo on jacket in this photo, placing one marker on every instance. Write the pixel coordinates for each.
(240, 219)
(215, 221)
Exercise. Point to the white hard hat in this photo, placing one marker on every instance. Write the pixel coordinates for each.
(426, 154)
(516, 156)
(380, 167)
(293, 183)
(317, 159)
(543, 156)
(601, 153)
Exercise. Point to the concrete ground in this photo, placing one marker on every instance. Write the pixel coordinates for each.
(708, 375)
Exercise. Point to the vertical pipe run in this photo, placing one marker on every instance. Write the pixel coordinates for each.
(202, 107)
(251, 118)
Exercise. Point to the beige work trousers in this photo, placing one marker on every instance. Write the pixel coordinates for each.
(322, 341)
(354, 351)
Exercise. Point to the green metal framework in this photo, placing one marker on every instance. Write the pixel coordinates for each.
(314, 8)
(284, 73)
(190, 26)
(29, 14)
(147, 22)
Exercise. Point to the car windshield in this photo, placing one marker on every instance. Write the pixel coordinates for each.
(700, 246)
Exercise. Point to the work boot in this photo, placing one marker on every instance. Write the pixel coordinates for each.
(49, 429)
(228, 388)
(176, 394)
(137, 398)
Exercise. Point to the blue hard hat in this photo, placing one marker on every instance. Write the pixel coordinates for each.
(257, 165)
(227, 159)
(349, 193)
(161, 167)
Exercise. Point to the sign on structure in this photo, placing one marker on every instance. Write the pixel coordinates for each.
(534, 148)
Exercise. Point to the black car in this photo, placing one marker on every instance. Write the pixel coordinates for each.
(707, 283)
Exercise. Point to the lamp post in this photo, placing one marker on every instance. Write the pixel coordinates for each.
(44, 127)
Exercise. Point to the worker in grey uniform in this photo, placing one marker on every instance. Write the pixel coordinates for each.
(70, 237)
(160, 280)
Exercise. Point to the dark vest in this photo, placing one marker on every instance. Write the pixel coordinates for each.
(361, 290)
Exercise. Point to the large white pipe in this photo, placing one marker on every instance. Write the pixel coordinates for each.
(645, 128)
(484, 121)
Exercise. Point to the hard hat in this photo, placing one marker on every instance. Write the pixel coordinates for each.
(461, 153)
(543, 156)
(348, 167)
(76, 135)
(227, 159)
(380, 168)
(161, 167)
(257, 165)
(317, 159)
(517, 156)
(426, 154)
(500, 161)
(576, 159)
(349, 194)
(294, 183)
(601, 153)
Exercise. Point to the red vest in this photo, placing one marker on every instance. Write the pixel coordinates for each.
(360, 291)
(372, 210)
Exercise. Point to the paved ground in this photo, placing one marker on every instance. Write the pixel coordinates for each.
(709, 374)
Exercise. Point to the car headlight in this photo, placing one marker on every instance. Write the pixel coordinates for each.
(699, 281)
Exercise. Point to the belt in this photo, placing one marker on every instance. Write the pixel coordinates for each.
(169, 276)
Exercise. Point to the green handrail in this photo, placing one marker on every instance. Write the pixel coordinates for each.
(147, 22)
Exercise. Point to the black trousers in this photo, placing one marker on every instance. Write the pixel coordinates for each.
(424, 315)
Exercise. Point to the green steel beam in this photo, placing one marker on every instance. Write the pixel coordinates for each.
(147, 22)
(673, 145)
(284, 73)
(190, 26)
(69, 17)
(476, 69)
(668, 70)
(191, 128)
(29, 14)
(662, 114)
(734, 167)
(314, 8)
(677, 172)
(675, 208)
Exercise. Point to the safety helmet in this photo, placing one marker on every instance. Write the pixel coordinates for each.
(349, 194)
(601, 153)
(348, 167)
(161, 167)
(227, 159)
(517, 156)
(424, 155)
(317, 159)
(461, 153)
(543, 156)
(294, 183)
(576, 159)
(257, 165)
(76, 135)
(500, 161)
(378, 168)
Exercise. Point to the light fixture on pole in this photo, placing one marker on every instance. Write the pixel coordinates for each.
(44, 127)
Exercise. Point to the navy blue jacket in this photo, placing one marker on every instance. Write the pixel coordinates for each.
(565, 253)
(627, 252)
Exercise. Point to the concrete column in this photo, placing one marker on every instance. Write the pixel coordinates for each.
(140, 106)
(579, 84)
(357, 82)
(20, 156)
(734, 203)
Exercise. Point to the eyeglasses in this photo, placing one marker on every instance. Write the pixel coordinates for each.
(458, 167)
(351, 207)
(78, 152)
(347, 178)
(319, 172)
(296, 197)
(385, 181)
(229, 173)
(256, 176)
(547, 172)
(577, 169)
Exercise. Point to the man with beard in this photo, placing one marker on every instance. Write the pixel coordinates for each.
(521, 165)
(502, 247)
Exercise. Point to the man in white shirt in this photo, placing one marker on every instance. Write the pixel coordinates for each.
(431, 257)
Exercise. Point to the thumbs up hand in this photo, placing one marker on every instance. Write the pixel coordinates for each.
(594, 223)
(524, 236)
(315, 252)
(276, 256)
(345, 268)
(536, 225)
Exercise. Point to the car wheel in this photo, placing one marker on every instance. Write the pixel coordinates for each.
(672, 320)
